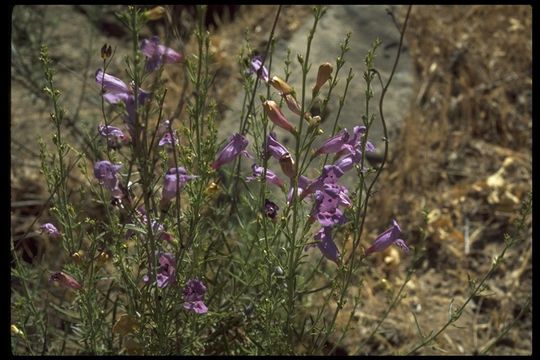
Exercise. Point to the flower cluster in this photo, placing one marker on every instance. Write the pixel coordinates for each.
(193, 296)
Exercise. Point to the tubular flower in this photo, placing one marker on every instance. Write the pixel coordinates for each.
(175, 179)
(65, 280)
(325, 70)
(157, 54)
(276, 116)
(326, 244)
(274, 148)
(334, 144)
(303, 184)
(287, 165)
(51, 230)
(117, 91)
(106, 172)
(281, 86)
(166, 272)
(115, 137)
(271, 177)
(236, 145)
(388, 237)
(194, 296)
(256, 66)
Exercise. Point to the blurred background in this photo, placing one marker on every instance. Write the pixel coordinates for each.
(460, 115)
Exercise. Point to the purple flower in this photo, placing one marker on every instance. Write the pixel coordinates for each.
(327, 200)
(51, 230)
(168, 139)
(329, 175)
(256, 66)
(334, 144)
(117, 91)
(166, 272)
(236, 145)
(106, 172)
(194, 296)
(271, 177)
(270, 209)
(115, 137)
(326, 244)
(303, 184)
(171, 184)
(157, 54)
(274, 148)
(388, 237)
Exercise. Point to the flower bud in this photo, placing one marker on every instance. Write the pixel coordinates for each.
(281, 86)
(78, 256)
(322, 76)
(106, 51)
(287, 165)
(277, 117)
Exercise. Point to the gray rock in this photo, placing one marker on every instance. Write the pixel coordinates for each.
(366, 23)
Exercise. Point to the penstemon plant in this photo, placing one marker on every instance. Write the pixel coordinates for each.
(202, 247)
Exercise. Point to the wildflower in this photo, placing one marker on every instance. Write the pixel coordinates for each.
(327, 200)
(303, 183)
(256, 66)
(193, 296)
(293, 105)
(277, 117)
(157, 54)
(334, 144)
(388, 237)
(168, 139)
(325, 70)
(281, 86)
(235, 146)
(65, 280)
(117, 91)
(287, 165)
(175, 179)
(166, 272)
(270, 209)
(326, 244)
(329, 175)
(274, 148)
(106, 172)
(271, 177)
(51, 230)
(115, 137)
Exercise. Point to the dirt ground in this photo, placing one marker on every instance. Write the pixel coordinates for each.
(464, 153)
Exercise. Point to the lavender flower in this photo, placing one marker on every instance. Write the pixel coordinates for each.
(65, 280)
(51, 230)
(171, 185)
(326, 244)
(270, 209)
(115, 137)
(168, 139)
(194, 296)
(117, 91)
(271, 177)
(334, 144)
(235, 146)
(157, 54)
(106, 172)
(327, 200)
(388, 237)
(274, 148)
(256, 66)
(166, 272)
(303, 184)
